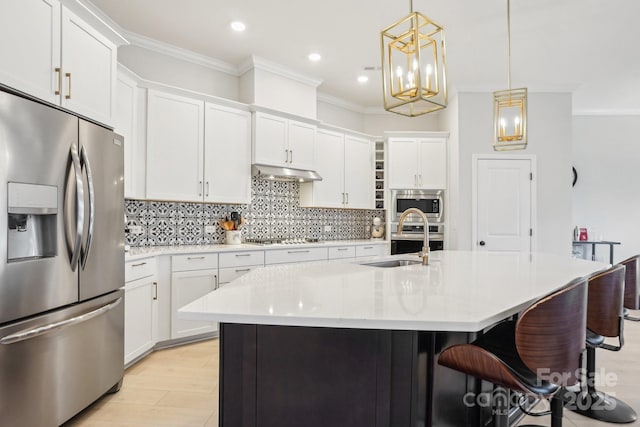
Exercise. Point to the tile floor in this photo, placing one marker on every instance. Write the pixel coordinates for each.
(179, 387)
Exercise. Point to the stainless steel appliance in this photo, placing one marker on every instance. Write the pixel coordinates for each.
(61, 263)
(431, 202)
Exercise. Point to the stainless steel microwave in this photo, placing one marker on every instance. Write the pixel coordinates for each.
(431, 202)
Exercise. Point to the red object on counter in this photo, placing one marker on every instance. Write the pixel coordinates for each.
(583, 236)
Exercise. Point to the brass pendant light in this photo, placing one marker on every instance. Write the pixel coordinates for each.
(413, 65)
(509, 109)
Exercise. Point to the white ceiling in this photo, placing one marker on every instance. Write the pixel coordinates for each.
(587, 47)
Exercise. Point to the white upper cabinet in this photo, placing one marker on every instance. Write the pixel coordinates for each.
(227, 151)
(417, 163)
(175, 145)
(50, 53)
(30, 47)
(89, 70)
(197, 151)
(279, 141)
(359, 172)
(346, 165)
(125, 123)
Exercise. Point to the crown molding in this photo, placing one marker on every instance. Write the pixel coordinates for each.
(280, 70)
(97, 18)
(180, 53)
(612, 112)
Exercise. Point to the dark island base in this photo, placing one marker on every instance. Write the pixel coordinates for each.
(284, 376)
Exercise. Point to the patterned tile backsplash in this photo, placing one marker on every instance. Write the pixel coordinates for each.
(274, 213)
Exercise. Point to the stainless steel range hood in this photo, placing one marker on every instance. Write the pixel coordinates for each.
(284, 174)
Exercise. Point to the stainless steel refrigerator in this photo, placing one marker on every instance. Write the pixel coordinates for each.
(61, 263)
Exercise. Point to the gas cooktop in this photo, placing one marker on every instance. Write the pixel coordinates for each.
(281, 241)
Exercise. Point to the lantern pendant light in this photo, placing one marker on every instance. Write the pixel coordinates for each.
(413, 65)
(510, 109)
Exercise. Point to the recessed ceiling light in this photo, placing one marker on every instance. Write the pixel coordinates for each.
(363, 79)
(238, 26)
(315, 57)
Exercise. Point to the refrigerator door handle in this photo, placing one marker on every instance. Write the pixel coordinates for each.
(36, 332)
(92, 205)
(79, 208)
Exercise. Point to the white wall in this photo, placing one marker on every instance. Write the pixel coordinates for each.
(452, 203)
(606, 198)
(549, 122)
(377, 124)
(341, 117)
(175, 72)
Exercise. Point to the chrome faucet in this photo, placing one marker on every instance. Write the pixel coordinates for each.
(425, 244)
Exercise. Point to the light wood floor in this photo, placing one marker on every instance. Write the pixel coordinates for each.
(179, 387)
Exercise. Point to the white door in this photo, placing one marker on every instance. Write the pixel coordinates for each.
(175, 141)
(30, 47)
(227, 155)
(270, 140)
(403, 163)
(139, 317)
(89, 67)
(503, 205)
(329, 156)
(359, 173)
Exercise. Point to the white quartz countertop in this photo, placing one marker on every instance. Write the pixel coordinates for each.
(458, 291)
(148, 251)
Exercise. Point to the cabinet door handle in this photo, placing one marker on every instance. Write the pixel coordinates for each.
(138, 264)
(195, 257)
(298, 252)
(217, 284)
(200, 188)
(238, 255)
(59, 80)
(286, 156)
(290, 156)
(343, 198)
(155, 291)
(68, 95)
(207, 193)
(243, 270)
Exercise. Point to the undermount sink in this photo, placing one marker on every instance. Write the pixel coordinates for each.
(393, 263)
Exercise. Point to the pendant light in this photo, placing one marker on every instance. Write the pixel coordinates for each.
(413, 65)
(509, 109)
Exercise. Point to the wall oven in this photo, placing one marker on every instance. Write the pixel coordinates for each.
(431, 202)
(411, 239)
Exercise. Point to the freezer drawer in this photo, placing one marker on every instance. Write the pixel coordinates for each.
(55, 365)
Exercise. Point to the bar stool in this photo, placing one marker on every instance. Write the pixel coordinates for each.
(632, 286)
(536, 354)
(604, 319)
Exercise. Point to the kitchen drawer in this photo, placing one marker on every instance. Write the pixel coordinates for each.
(371, 250)
(194, 262)
(342, 252)
(281, 256)
(240, 259)
(226, 275)
(134, 270)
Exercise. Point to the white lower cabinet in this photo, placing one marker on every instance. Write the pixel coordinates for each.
(234, 264)
(140, 308)
(340, 252)
(283, 256)
(192, 276)
(372, 250)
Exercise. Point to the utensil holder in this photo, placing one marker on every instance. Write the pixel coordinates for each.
(232, 237)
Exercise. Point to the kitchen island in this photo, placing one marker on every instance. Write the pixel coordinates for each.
(355, 344)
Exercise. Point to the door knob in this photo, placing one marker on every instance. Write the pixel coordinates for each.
(482, 243)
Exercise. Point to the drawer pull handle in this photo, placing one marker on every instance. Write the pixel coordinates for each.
(343, 249)
(155, 291)
(195, 257)
(243, 270)
(139, 264)
(243, 254)
(367, 247)
(298, 252)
